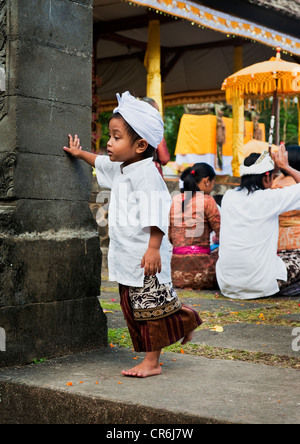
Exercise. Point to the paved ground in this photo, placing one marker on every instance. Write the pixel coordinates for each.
(257, 336)
(88, 388)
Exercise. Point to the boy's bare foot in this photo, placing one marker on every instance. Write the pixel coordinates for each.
(187, 339)
(142, 371)
(149, 367)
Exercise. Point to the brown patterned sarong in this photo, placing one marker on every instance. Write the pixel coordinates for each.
(153, 335)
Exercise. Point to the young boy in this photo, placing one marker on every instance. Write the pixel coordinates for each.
(139, 254)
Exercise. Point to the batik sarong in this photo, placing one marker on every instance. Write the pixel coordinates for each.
(157, 332)
(153, 301)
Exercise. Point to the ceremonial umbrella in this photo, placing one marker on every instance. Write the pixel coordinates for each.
(273, 78)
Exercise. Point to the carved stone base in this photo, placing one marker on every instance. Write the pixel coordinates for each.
(49, 283)
(7, 166)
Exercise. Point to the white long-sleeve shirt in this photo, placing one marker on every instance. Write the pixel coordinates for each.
(139, 200)
(248, 265)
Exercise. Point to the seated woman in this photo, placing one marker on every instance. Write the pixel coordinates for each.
(249, 266)
(289, 223)
(194, 216)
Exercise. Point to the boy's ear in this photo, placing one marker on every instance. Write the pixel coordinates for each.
(142, 145)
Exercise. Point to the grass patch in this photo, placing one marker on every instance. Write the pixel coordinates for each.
(110, 290)
(112, 306)
(182, 294)
(120, 337)
(236, 355)
(267, 316)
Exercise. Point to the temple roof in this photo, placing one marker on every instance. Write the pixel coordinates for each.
(281, 15)
(287, 7)
(197, 42)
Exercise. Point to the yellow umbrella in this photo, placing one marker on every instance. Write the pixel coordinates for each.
(274, 77)
(264, 80)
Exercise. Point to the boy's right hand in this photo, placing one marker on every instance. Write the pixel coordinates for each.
(74, 146)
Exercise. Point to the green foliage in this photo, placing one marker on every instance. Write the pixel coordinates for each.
(288, 124)
(173, 116)
(103, 119)
(39, 361)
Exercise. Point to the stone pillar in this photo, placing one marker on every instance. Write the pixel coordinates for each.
(50, 261)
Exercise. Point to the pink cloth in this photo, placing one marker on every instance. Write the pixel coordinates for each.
(193, 249)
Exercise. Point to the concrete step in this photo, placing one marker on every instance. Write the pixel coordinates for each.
(270, 339)
(191, 390)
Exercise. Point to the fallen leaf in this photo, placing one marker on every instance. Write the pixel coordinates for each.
(217, 328)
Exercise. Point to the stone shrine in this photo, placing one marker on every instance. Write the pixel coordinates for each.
(50, 260)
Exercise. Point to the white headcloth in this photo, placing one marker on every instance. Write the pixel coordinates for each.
(261, 166)
(142, 117)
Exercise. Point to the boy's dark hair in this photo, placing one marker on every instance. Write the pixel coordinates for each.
(253, 182)
(294, 157)
(150, 151)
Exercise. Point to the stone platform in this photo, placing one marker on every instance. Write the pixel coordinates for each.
(88, 388)
(191, 390)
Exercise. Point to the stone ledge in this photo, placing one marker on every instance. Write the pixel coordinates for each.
(191, 390)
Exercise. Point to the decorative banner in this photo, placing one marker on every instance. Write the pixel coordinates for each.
(205, 17)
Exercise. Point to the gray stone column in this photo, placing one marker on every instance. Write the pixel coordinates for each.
(50, 260)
